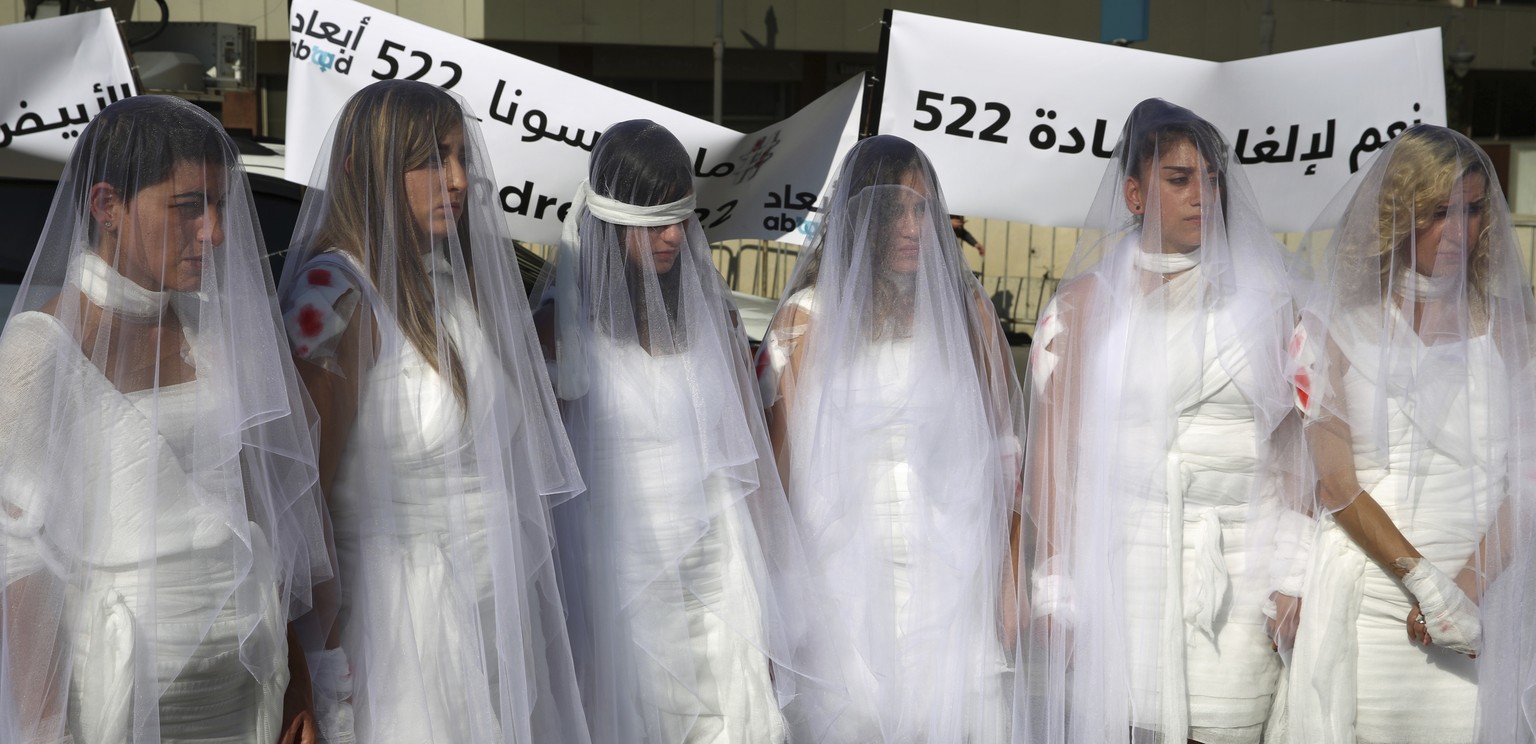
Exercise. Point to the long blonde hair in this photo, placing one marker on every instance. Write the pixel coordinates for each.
(1427, 163)
(385, 131)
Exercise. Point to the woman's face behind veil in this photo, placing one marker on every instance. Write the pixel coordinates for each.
(662, 243)
(1454, 227)
(903, 212)
(1177, 184)
(163, 233)
(434, 192)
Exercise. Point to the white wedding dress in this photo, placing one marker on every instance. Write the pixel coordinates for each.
(1438, 483)
(1175, 615)
(898, 535)
(205, 691)
(418, 616)
(1213, 651)
(708, 682)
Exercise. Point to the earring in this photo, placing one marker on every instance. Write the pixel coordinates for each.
(107, 225)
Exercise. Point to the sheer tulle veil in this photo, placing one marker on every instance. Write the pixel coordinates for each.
(157, 468)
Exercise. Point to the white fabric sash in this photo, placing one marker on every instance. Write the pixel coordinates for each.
(1167, 263)
(106, 679)
(1322, 691)
(1415, 287)
(111, 291)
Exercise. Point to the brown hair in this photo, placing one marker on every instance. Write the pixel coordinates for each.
(883, 160)
(1156, 126)
(138, 142)
(384, 131)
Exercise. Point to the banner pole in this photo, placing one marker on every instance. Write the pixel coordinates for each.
(719, 60)
(874, 85)
(133, 64)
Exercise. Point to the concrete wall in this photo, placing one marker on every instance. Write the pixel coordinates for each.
(1209, 29)
(1501, 36)
(270, 17)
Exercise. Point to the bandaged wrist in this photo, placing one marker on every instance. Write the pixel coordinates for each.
(331, 671)
(1051, 593)
(1293, 548)
(1452, 619)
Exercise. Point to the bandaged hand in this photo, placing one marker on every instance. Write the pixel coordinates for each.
(1450, 616)
(332, 675)
(1051, 593)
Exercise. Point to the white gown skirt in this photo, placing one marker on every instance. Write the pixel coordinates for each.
(1412, 694)
(209, 695)
(729, 698)
(679, 536)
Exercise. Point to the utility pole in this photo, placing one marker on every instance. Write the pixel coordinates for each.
(719, 58)
(1267, 28)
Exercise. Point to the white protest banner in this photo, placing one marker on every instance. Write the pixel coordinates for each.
(541, 124)
(55, 76)
(787, 168)
(1020, 126)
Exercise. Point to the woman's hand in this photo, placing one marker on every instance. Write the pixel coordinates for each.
(299, 699)
(1051, 611)
(301, 729)
(1447, 613)
(1282, 627)
(1418, 630)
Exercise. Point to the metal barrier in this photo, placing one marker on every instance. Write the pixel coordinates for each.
(760, 268)
(1525, 233)
(1018, 299)
(727, 263)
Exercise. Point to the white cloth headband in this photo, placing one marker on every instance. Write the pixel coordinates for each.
(619, 213)
(571, 380)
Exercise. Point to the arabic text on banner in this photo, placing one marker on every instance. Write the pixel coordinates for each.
(1020, 127)
(541, 124)
(56, 74)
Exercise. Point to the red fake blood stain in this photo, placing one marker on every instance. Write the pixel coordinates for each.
(311, 322)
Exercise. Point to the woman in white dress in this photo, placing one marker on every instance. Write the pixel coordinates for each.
(1414, 369)
(159, 523)
(895, 414)
(679, 563)
(441, 448)
(1160, 444)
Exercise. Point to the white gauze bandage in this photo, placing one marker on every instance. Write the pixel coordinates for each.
(1451, 617)
(1051, 593)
